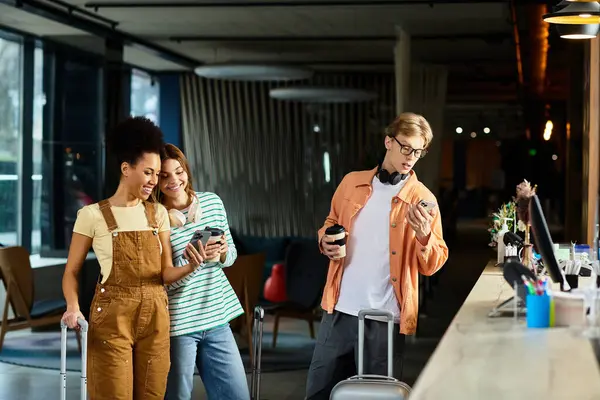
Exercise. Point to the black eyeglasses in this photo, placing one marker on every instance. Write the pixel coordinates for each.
(407, 150)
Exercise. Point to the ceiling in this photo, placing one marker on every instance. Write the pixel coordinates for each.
(474, 39)
(320, 34)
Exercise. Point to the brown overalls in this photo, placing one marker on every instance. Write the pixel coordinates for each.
(128, 350)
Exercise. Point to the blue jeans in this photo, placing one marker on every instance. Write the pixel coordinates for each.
(218, 359)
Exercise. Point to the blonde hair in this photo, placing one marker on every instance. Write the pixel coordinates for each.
(410, 124)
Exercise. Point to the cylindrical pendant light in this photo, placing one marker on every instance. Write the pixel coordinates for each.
(307, 94)
(254, 72)
(575, 13)
(588, 31)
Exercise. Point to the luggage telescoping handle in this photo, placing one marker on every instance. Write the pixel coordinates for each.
(257, 333)
(361, 338)
(83, 325)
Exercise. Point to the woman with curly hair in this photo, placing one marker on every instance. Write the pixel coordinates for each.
(203, 303)
(128, 347)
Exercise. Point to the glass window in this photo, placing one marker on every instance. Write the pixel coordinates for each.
(39, 100)
(71, 146)
(10, 137)
(145, 93)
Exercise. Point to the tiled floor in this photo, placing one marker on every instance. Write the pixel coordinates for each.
(22, 383)
(467, 260)
(19, 383)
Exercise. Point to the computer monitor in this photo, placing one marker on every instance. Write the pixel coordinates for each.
(543, 241)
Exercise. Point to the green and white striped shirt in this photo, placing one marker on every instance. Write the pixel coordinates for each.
(203, 299)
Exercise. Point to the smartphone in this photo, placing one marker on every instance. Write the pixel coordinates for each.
(427, 205)
(200, 236)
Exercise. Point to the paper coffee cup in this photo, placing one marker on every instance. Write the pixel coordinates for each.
(336, 234)
(215, 236)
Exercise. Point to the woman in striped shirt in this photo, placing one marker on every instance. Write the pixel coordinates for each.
(201, 304)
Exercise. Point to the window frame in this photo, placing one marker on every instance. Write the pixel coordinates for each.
(21, 219)
(154, 81)
(25, 158)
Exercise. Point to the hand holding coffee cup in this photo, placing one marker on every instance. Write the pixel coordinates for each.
(334, 242)
(214, 244)
(224, 246)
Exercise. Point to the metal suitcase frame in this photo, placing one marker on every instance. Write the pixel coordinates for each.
(83, 325)
(364, 386)
(257, 336)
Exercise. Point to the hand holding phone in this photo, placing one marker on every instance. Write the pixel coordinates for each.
(200, 237)
(194, 251)
(427, 205)
(420, 217)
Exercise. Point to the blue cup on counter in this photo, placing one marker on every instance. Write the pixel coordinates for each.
(538, 311)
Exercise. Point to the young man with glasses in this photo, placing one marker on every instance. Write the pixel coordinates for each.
(394, 234)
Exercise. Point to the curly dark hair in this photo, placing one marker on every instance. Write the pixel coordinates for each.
(134, 137)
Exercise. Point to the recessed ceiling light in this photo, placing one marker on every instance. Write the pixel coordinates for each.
(473, 135)
(486, 130)
(459, 130)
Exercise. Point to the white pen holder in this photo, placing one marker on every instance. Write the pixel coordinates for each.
(591, 303)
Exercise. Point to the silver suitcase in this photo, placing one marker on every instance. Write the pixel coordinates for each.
(372, 387)
(257, 334)
(83, 325)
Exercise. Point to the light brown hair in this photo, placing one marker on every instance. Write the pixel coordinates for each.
(410, 124)
(172, 152)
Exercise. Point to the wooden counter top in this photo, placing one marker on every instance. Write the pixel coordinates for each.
(481, 358)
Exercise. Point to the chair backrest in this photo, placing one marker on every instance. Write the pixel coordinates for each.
(245, 276)
(14, 263)
(305, 273)
(235, 275)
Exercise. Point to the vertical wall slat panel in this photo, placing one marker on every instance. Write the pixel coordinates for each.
(223, 128)
(248, 178)
(262, 156)
(243, 198)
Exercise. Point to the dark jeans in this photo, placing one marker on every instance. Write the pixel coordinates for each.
(336, 353)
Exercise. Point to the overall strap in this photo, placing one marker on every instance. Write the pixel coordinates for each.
(151, 214)
(109, 217)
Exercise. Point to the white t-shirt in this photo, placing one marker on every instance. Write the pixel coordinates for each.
(366, 278)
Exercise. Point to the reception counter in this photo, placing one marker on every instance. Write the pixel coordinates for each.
(496, 358)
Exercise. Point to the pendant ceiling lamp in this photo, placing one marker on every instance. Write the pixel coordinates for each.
(588, 31)
(575, 13)
(253, 72)
(307, 94)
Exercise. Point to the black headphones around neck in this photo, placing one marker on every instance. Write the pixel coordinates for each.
(389, 179)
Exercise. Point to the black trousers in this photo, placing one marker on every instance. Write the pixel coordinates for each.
(336, 353)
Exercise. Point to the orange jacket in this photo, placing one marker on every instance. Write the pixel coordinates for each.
(408, 257)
